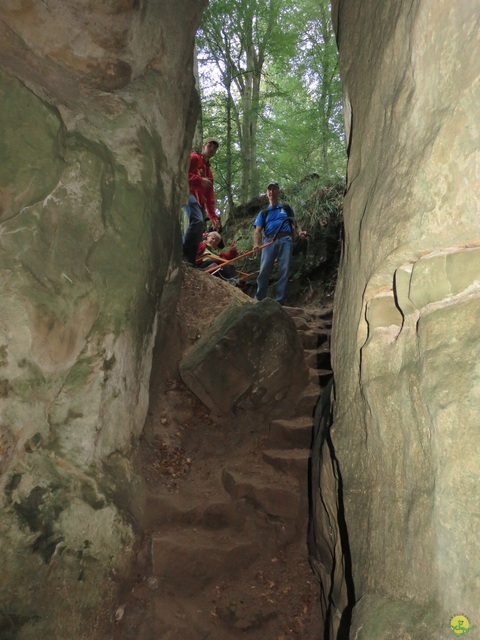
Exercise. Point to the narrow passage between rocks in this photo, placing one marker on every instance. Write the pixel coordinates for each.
(224, 542)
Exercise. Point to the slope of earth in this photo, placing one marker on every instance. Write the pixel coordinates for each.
(222, 548)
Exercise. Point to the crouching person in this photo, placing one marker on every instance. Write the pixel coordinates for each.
(208, 251)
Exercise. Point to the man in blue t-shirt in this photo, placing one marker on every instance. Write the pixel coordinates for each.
(276, 221)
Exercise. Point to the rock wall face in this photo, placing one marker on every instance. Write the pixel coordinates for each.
(402, 472)
(97, 108)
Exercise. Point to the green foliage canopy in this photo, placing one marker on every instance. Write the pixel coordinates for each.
(271, 91)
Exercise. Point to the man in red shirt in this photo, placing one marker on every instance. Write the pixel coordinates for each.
(200, 199)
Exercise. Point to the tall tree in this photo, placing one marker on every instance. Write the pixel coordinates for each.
(303, 114)
(198, 135)
(321, 65)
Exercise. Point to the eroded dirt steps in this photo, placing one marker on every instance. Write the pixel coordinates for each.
(224, 552)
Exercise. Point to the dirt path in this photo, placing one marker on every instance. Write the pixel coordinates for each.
(224, 551)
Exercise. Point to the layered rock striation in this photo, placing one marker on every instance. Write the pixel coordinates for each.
(399, 480)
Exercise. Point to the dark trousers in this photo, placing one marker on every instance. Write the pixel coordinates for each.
(226, 272)
(194, 233)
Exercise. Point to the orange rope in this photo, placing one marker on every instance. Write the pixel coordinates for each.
(222, 262)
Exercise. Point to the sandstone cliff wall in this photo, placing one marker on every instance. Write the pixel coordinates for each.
(97, 104)
(402, 471)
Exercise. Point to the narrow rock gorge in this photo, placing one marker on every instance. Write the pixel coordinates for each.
(98, 110)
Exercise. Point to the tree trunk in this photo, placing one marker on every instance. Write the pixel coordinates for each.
(198, 135)
(229, 150)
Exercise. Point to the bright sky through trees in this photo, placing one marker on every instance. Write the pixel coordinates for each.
(271, 92)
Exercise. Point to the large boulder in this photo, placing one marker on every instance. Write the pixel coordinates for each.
(250, 358)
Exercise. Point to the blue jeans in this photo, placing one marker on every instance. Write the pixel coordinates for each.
(280, 250)
(194, 233)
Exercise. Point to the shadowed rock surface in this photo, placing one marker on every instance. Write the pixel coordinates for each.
(96, 121)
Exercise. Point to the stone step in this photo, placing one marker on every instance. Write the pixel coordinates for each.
(297, 312)
(301, 323)
(307, 402)
(314, 338)
(312, 316)
(324, 361)
(324, 337)
(291, 434)
(324, 376)
(318, 359)
(325, 314)
(188, 559)
(207, 512)
(310, 338)
(320, 377)
(292, 462)
(270, 493)
(311, 357)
